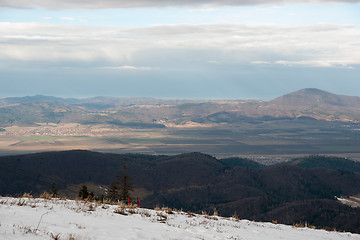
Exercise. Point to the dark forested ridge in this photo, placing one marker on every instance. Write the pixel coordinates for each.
(320, 161)
(302, 190)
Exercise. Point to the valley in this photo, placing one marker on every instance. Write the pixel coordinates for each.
(266, 141)
(292, 159)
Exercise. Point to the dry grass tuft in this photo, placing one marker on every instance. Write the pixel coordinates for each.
(145, 213)
(216, 213)
(167, 210)
(27, 195)
(131, 211)
(190, 214)
(55, 237)
(211, 217)
(120, 211)
(21, 202)
(304, 225)
(161, 217)
(46, 195)
(235, 216)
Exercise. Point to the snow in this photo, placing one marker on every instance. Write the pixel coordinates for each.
(351, 201)
(37, 218)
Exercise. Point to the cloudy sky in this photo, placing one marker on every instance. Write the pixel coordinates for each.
(198, 49)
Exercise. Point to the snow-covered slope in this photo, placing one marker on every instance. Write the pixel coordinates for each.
(35, 218)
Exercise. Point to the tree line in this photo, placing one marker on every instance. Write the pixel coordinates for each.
(118, 190)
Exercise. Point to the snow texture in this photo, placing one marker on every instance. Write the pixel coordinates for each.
(36, 218)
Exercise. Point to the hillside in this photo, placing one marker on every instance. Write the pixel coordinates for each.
(29, 218)
(319, 161)
(311, 97)
(198, 182)
(316, 104)
(313, 103)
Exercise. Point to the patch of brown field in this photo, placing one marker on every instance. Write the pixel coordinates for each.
(191, 125)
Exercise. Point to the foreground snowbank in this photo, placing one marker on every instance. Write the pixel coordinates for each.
(34, 218)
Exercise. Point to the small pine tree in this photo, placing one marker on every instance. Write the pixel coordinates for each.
(54, 191)
(125, 184)
(91, 196)
(113, 191)
(83, 193)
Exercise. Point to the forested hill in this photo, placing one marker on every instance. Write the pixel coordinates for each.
(302, 190)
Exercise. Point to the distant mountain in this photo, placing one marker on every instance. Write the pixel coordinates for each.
(37, 99)
(314, 103)
(311, 97)
(306, 104)
(110, 101)
(198, 182)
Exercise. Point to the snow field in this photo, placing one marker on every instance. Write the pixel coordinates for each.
(36, 218)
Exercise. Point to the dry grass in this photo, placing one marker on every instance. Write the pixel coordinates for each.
(167, 210)
(132, 211)
(216, 213)
(27, 195)
(161, 217)
(46, 195)
(235, 216)
(145, 213)
(211, 217)
(190, 214)
(303, 225)
(120, 211)
(21, 202)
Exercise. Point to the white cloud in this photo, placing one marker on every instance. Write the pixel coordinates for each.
(92, 4)
(321, 45)
(214, 62)
(127, 67)
(68, 18)
(260, 62)
(342, 63)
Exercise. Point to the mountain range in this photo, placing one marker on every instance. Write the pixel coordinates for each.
(149, 112)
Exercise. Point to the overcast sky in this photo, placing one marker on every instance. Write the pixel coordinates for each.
(198, 49)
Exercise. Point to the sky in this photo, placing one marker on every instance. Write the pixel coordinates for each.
(198, 49)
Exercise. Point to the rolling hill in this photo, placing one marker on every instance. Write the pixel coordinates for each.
(310, 103)
(198, 182)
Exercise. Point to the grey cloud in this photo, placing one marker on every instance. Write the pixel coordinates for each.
(321, 45)
(92, 4)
